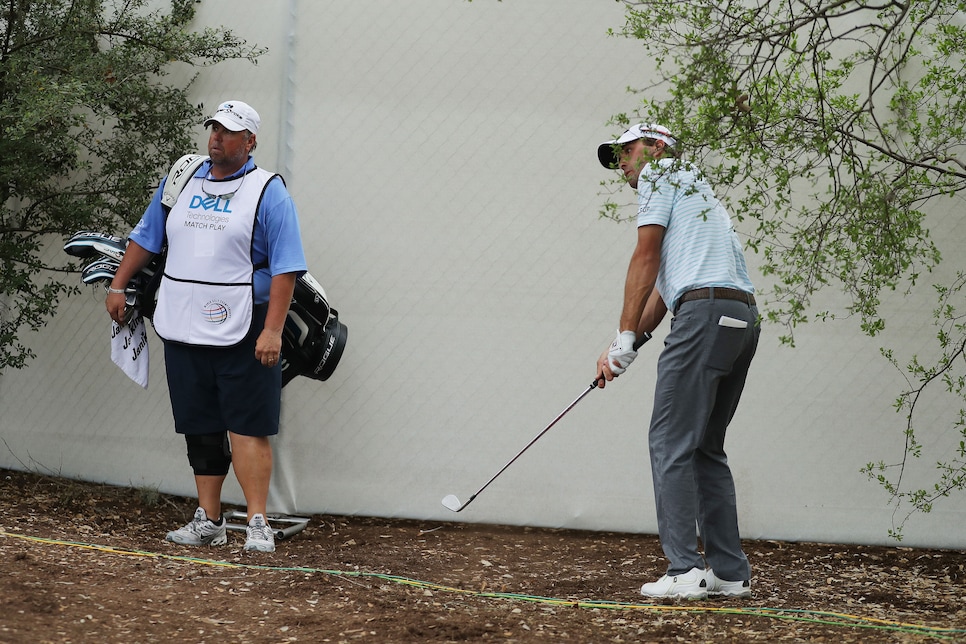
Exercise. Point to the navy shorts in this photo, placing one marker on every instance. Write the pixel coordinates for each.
(217, 388)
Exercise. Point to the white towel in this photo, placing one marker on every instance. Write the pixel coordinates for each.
(129, 349)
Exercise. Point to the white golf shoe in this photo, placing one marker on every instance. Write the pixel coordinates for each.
(691, 585)
(721, 588)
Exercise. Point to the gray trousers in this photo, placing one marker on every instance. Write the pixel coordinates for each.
(700, 377)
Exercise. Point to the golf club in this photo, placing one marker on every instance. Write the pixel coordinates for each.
(450, 502)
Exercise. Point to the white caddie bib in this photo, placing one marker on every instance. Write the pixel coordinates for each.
(206, 296)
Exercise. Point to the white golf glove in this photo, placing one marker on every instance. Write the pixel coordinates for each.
(622, 353)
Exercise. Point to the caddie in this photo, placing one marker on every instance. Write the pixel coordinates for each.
(234, 252)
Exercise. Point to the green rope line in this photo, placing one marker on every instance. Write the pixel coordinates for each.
(826, 618)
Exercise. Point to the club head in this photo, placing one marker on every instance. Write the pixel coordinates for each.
(450, 502)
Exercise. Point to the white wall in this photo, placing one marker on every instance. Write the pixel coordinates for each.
(442, 155)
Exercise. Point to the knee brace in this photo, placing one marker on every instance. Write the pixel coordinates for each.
(209, 454)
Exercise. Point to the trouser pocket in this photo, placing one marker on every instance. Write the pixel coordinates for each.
(728, 343)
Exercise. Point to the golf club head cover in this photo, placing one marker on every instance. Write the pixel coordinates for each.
(100, 270)
(88, 244)
(622, 353)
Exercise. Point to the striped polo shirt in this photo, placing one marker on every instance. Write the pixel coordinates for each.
(700, 247)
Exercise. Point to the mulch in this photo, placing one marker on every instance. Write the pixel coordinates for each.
(82, 562)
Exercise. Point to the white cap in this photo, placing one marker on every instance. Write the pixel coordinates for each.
(607, 154)
(236, 116)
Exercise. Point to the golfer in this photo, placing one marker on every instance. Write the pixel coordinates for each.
(688, 260)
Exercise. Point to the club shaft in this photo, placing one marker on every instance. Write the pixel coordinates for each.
(592, 386)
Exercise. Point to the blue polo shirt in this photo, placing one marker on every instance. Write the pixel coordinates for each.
(700, 247)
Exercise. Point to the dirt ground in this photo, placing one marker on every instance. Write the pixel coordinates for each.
(82, 562)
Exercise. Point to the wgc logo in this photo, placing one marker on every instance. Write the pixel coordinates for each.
(216, 312)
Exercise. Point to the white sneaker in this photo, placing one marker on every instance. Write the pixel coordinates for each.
(201, 531)
(260, 535)
(691, 585)
(721, 588)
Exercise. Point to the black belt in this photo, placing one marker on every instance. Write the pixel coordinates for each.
(719, 293)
